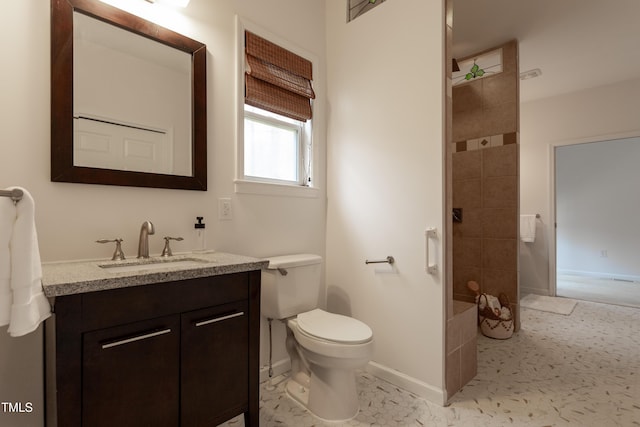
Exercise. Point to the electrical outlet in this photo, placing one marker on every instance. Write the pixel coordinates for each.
(604, 254)
(224, 209)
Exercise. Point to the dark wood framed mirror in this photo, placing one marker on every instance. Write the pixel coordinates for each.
(64, 117)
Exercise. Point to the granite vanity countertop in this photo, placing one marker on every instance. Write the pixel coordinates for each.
(76, 277)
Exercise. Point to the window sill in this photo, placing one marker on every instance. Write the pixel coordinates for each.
(271, 189)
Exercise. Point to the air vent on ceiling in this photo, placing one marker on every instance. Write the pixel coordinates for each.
(531, 74)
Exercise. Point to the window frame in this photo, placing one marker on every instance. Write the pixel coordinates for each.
(256, 185)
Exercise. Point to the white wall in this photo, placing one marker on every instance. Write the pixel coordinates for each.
(385, 182)
(606, 112)
(106, 83)
(70, 217)
(598, 209)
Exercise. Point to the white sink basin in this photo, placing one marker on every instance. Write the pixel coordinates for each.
(153, 264)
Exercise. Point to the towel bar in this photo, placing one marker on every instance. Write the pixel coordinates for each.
(388, 260)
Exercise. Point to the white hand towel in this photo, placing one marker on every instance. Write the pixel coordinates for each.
(528, 228)
(23, 305)
(7, 218)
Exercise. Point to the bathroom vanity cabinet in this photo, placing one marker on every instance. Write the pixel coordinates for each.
(177, 353)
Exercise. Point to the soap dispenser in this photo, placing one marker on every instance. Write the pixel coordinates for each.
(200, 234)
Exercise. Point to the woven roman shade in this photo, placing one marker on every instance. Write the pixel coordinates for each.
(276, 79)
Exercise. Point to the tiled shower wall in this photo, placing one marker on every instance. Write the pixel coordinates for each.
(485, 171)
(461, 340)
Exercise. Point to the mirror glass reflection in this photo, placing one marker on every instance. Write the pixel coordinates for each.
(131, 102)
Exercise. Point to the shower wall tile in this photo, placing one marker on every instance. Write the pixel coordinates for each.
(515, 309)
(510, 138)
(473, 144)
(464, 298)
(461, 276)
(500, 192)
(469, 360)
(467, 165)
(510, 57)
(467, 194)
(500, 90)
(496, 281)
(462, 333)
(454, 334)
(471, 225)
(500, 161)
(467, 252)
(500, 119)
(497, 140)
(468, 97)
(500, 223)
(500, 254)
(452, 374)
(484, 142)
(467, 124)
(470, 324)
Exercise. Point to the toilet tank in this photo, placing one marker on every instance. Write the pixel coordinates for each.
(290, 285)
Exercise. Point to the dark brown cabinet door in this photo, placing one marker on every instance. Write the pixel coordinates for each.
(131, 374)
(215, 364)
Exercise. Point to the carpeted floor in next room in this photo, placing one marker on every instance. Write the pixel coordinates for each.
(581, 370)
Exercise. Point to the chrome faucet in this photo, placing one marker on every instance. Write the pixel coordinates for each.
(143, 243)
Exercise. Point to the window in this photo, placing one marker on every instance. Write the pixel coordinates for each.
(273, 147)
(359, 7)
(276, 146)
(477, 67)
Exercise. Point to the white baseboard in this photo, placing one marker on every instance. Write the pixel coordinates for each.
(599, 275)
(405, 382)
(279, 368)
(419, 388)
(537, 291)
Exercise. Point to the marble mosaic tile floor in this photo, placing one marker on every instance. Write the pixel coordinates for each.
(578, 370)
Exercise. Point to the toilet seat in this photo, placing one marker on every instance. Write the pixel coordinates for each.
(332, 327)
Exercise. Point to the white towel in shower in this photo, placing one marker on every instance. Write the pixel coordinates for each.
(23, 305)
(528, 228)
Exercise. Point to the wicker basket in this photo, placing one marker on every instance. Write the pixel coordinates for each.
(492, 325)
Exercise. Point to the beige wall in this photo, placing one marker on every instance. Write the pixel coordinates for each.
(70, 217)
(606, 112)
(385, 183)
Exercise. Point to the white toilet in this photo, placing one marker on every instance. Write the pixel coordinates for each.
(325, 348)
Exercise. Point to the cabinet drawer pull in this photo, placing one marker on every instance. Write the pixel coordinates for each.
(219, 319)
(133, 339)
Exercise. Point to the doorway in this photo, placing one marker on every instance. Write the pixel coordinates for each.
(597, 207)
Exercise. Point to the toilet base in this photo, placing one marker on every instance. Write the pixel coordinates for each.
(298, 392)
(333, 398)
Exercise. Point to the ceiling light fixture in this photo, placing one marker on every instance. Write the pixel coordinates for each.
(531, 74)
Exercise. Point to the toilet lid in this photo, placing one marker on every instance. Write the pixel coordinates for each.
(334, 327)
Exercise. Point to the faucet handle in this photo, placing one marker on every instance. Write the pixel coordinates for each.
(167, 249)
(118, 255)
